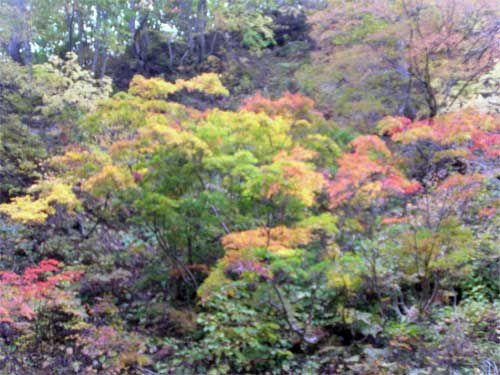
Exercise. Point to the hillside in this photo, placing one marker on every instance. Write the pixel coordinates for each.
(249, 187)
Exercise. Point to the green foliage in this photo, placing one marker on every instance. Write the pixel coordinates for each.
(38, 113)
(21, 152)
(254, 26)
(234, 339)
(66, 88)
(206, 238)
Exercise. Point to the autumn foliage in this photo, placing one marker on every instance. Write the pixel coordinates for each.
(256, 240)
(463, 132)
(22, 294)
(367, 174)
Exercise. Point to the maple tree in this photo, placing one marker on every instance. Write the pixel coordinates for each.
(21, 295)
(40, 109)
(367, 174)
(256, 153)
(412, 58)
(448, 157)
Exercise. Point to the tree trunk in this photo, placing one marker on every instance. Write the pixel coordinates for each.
(201, 24)
(81, 36)
(14, 49)
(21, 33)
(70, 18)
(28, 57)
(131, 20)
(104, 63)
(97, 43)
(186, 26)
(212, 44)
(431, 101)
(95, 59)
(171, 55)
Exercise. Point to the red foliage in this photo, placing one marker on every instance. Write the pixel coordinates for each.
(20, 293)
(368, 170)
(488, 212)
(471, 129)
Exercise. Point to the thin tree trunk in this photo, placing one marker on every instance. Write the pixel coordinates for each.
(186, 26)
(171, 55)
(28, 56)
(212, 44)
(131, 20)
(201, 24)
(97, 43)
(81, 36)
(95, 59)
(104, 63)
(70, 18)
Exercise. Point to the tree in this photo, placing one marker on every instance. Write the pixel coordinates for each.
(21, 295)
(412, 58)
(17, 31)
(189, 176)
(413, 234)
(39, 114)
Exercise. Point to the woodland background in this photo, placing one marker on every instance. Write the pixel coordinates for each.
(249, 187)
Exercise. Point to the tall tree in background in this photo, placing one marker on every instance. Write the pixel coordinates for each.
(173, 33)
(408, 57)
(16, 29)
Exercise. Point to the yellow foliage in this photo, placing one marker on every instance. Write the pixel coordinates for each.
(339, 280)
(28, 210)
(208, 83)
(110, 179)
(216, 282)
(347, 273)
(390, 125)
(151, 88)
(298, 153)
(80, 163)
(458, 153)
(55, 191)
(156, 135)
(415, 134)
(296, 178)
(277, 240)
(257, 132)
(157, 88)
(25, 210)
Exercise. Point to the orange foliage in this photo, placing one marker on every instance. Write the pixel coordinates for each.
(488, 212)
(274, 239)
(477, 131)
(298, 153)
(368, 171)
(366, 144)
(395, 220)
(291, 174)
(295, 105)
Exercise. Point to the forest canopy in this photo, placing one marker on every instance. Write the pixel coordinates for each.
(249, 187)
